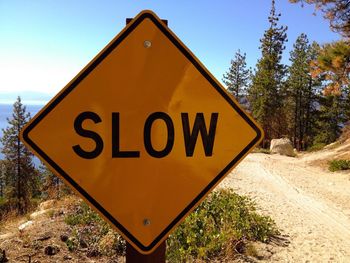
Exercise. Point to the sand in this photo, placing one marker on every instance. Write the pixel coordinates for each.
(310, 205)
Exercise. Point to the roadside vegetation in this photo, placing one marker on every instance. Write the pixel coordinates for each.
(307, 102)
(316, 147)
(223, 226)
(262, 150)
(89, 231)
(339, 165)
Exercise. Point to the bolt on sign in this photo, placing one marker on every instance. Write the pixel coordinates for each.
(143, 133)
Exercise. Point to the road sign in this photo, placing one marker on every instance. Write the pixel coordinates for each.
(143, 132)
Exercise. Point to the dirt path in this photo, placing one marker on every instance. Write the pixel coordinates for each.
(310, 205)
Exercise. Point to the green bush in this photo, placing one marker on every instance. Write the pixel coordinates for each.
(222, 220)
(316, 147)
(220, 226)
(2, 203)
(262, 150)
(89, 230)
(83, 215)
(337, 165)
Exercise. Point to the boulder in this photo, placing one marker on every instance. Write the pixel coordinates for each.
(282, 146)
(51, 250)
(47, 204)
(38, 213)
(3, 257)
(25, 225)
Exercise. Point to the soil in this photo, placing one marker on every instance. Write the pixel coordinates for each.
(310, 204)
(41, 241)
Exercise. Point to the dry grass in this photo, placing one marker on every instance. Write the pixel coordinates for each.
(29, 245)
(335, 151)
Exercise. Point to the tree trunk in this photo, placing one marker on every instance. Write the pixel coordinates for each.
(19, 190)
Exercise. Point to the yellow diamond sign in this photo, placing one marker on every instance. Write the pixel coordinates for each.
(143, 132)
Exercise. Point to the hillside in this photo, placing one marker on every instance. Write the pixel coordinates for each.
(309, 204)
(41, 236)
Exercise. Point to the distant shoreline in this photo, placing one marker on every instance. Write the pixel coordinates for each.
(31, 102)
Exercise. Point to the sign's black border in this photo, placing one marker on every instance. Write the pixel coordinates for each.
(98, 60)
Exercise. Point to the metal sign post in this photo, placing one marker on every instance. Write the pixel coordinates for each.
(157, 256)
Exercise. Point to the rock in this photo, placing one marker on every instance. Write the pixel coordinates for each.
(67, 257)
(282, 146)
(38, 213)
(45, 236)
(46, 205)
(3, 257)
(93, 252)
(51, 250)
(25, 225)
(6, 236)
(83, 244)
(64, 237)
(264, 251)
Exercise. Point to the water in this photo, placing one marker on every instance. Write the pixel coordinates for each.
(6, 112)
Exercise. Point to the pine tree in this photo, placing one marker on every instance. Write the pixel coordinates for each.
(2, 178)
(51, 183)
(330, 119)
(301, 90)
(237, 77)
(20, 171)
(265, 93)
(332, 65)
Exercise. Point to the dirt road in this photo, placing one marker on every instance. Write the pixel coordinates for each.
(309, 204)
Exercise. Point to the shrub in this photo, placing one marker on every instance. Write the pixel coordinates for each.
(262, 150)
(316, 147)
(222, 220)
(83, 215)
(220, 226)
(337, 165)
(90, 231)
(345, 132)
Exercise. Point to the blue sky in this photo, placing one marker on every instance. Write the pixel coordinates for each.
(45, 43)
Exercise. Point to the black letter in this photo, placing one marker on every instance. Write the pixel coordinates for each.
(116, 152)
(147, 134)
(89, 134)
(199, 126)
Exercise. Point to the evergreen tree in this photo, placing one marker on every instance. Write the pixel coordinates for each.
(330, 119)
(237, 77)
(265, 93)
(2, 178)
(20, 171)
(51, 183)
(301, 93)
(332, 65)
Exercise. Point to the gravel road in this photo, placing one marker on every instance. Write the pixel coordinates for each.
(310, 205)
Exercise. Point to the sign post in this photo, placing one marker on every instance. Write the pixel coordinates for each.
(143, 133)
(157, 256)
(134, 256)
